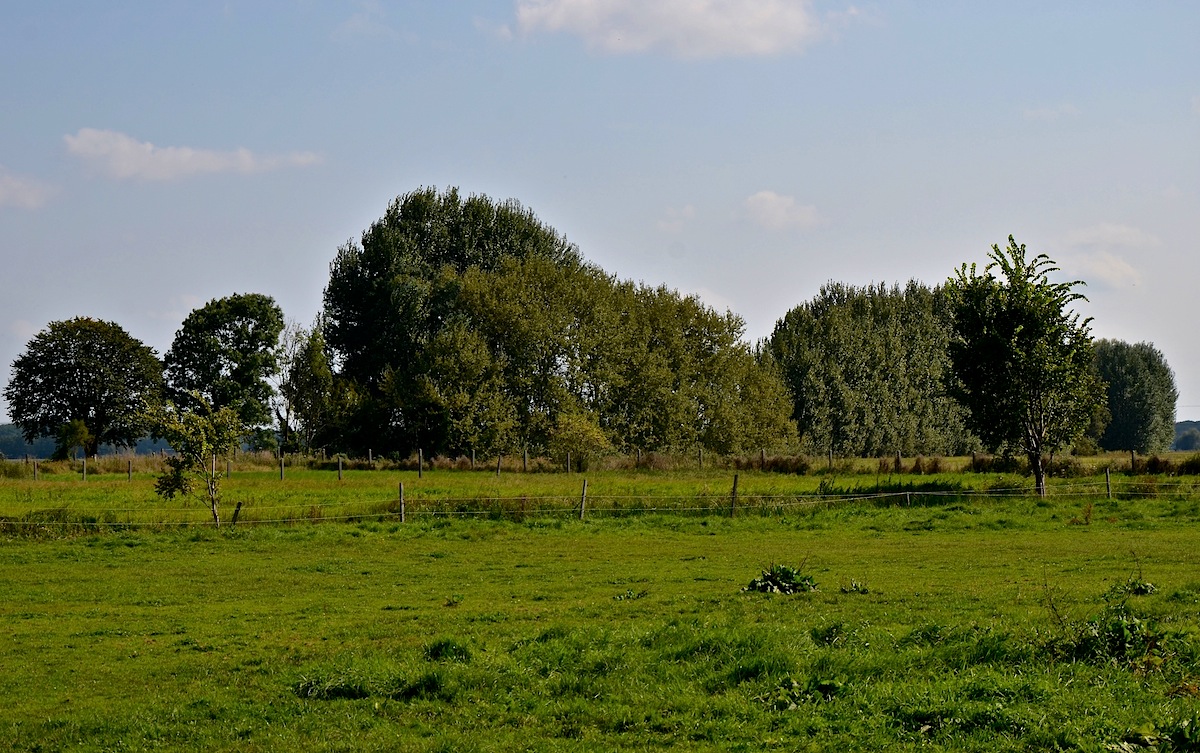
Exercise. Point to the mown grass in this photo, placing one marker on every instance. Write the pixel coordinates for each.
(991, 623)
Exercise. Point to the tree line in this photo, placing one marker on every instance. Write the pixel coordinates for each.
(461, 324)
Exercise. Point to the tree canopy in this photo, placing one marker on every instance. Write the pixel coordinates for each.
(867, 371)
(1141, 396)
(85, 382)
(224, 352)
(465, 324)
(1022, 357)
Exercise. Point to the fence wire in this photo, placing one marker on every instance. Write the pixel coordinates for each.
(526, 507)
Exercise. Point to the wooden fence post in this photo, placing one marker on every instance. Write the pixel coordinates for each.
(568, 462)
(524, 460)
(472, 458)
(228, 468)
(499, 458)
(733, 497)
(280, 466)
(85, 466)
(129, 470)
(1108, 483)
(401, 501)
(583, 500)
(420, 461)
(339, 467)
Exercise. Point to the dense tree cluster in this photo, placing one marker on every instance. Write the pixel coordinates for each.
(1141, 397)
(868, 370)
(461, 325)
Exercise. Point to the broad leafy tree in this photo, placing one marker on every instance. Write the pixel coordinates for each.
(1141, 396)
(1022, 357)
(390, 295)
(85, 382)
(225, 352)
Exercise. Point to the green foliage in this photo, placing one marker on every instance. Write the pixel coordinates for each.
(867, 370)
(224, 352)
(466, 325)
(198, 436)
(782, 579)
(1022, 358)
(87, 374)
(307, 391)
(1141, 397)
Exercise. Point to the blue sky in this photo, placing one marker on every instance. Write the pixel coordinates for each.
(155, 155)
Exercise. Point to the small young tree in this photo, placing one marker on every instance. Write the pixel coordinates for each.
(1022, 358)
(198, 435)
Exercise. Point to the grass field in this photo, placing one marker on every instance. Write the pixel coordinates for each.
(954, 623)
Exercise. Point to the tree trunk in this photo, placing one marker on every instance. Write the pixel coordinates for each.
(1039, 473)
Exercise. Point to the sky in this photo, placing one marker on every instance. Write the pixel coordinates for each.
(156, 155)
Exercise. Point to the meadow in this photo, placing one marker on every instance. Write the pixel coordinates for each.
(950, 613)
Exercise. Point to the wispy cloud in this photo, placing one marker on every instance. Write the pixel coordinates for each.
(1109, 235)
(122, 156)
(1050, 114)
(18, 191)
(684, 28)
(368, 21)
(776, 212)
(1096, 253)
(674, 219)
(22, 329)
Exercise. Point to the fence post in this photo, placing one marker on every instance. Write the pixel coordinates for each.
(639, 458)
(568, 462)
(228, 468)
(401, 501)
(524, 460)
(700, 459)
(908, 499)
(498, 459)
(762, 459)
(733, 497)
(583, 500)
(1132, 462)
(339, 467)
(85, 466)
(280, 466)
(129, 470)
(420, 461)
(472, 458)
(1108, 483)
(35, 470)
(370, 458)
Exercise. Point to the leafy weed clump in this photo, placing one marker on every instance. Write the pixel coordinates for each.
(782, 579)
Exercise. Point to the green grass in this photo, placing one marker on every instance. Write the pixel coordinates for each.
(991, 623)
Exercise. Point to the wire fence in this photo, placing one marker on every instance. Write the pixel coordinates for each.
(581, 506)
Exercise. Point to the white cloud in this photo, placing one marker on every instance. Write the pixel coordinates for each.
(1108, 235)
(1094, 253)
(776, 212)
(122, 156)
(367, 22)
(23, 329)
(25, 193)
(685, 28)
(1104, 267)
(674, 219)
(1051, 114)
